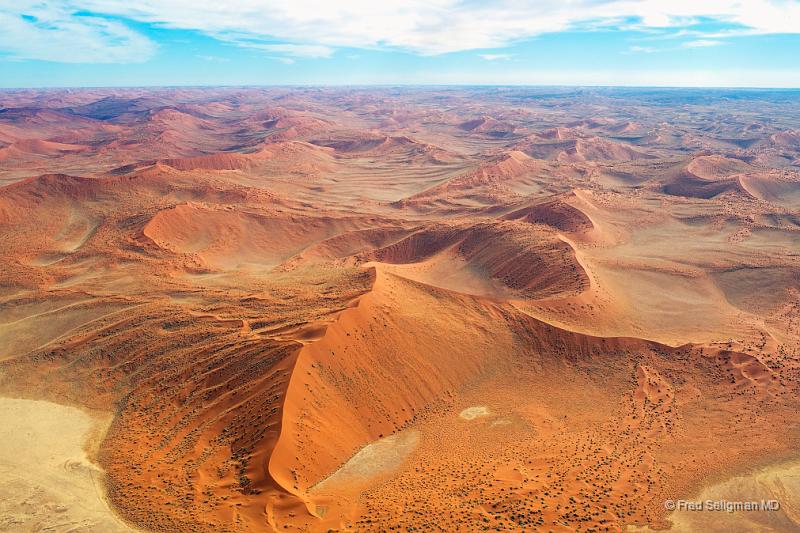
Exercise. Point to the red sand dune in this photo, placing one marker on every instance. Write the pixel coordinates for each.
(489, 126)
(555, 213)
(707, 177)
(579, 149)
(45, 148)
(233, 237)
(787, 139)
(508, 253)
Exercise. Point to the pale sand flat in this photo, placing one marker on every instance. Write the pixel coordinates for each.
(47, 481)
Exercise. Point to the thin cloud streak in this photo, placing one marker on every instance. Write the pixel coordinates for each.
(702, 43)
(495, 57)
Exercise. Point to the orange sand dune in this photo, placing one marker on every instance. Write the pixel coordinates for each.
(498, 171)
(693, 187)
(715, 167)
(580, 149)
(293, 152)
(507, 253)
(557, 134)
(39, 147)
(230, 237)
(707, 177)
(788, 139)
(355, 355)
(777, 188)
(375, 145)
(488, 126)
(555, 213)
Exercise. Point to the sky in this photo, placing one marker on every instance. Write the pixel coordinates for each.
(716, 43)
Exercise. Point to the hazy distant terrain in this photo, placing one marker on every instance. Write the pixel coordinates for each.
(400, 309)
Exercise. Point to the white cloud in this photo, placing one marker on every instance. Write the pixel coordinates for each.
(702, 43)
(316, 27)
(698, 43)
(50, 32)
(642, 49)
(495, 57)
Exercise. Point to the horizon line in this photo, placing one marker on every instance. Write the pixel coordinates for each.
(403, 85)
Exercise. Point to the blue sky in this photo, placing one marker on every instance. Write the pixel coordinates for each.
(265, 42)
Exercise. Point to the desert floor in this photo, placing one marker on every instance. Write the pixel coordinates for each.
(386, 309)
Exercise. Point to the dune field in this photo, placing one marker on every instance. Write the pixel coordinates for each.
(413, 309)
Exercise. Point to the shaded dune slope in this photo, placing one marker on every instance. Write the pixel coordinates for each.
(577, 150)
(706, 177)
(534, 262)
(556, 213)
(500, 171)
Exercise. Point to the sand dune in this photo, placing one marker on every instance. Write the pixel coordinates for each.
(328, 376)
(779, 189)
(19, 152)
(488, 126)
(293, 153)
(229, 238)
(716, 167)
(508, 254)
(569, 149)
(700, 188)
(555, 213)
(708, 176)
(788, 139)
